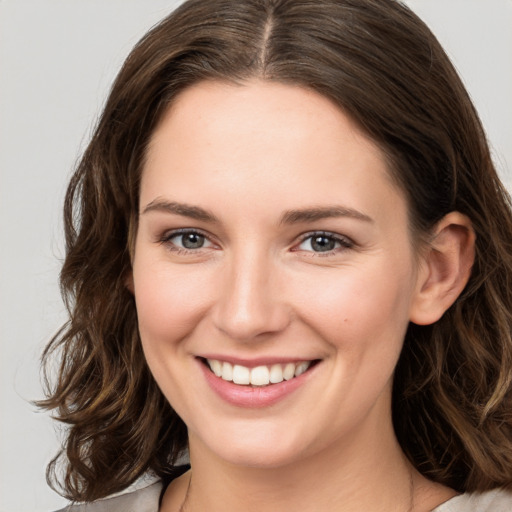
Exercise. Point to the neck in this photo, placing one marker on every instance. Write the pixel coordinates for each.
(357, 474)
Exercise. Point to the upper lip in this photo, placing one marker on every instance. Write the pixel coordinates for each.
(257, 361)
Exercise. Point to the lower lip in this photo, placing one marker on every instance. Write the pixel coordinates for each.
(253, 396)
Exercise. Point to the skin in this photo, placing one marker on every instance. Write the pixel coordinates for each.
(249, 155)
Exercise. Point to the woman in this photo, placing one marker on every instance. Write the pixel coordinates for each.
(288, 265)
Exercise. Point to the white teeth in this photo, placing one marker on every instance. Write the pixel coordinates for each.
(241, 374)
(216, 366)
(301, 368)
(227, 371)
(276, 374)
(289, 371)
(259, 375)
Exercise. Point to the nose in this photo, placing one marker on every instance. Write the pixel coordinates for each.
(251, 303)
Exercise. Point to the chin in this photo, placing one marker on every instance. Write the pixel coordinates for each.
(252, 456)
(263, 446)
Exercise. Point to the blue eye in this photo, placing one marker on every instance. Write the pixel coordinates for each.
(324, 242)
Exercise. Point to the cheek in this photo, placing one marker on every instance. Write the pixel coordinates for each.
(363, 318)
(356, 310)
(169, 304)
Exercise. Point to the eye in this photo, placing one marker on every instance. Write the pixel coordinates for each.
(322, 242)
(186, 240)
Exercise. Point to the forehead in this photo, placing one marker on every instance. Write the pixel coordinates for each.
(262, 137)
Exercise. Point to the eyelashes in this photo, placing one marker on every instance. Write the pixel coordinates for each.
(186, 240)
(323, 242)
(194, 241)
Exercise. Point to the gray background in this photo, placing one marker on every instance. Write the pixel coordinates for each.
(57, 60)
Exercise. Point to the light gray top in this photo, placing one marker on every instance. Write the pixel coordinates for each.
(146, 500)
(497, 500)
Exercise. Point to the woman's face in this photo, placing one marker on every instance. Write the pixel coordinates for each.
(271, 240)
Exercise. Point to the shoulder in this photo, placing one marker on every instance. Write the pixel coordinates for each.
(145, 499)
(497, 500)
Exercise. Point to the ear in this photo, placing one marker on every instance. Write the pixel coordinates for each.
(445, 268)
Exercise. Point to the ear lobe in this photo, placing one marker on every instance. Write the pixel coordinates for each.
(445, 268)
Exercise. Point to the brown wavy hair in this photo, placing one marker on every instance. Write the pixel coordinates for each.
(452, 401)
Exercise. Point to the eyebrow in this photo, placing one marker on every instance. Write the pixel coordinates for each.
(289, 217)
(322, 212)
(185, 210)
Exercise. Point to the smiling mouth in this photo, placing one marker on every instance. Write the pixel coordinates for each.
(259, 376)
